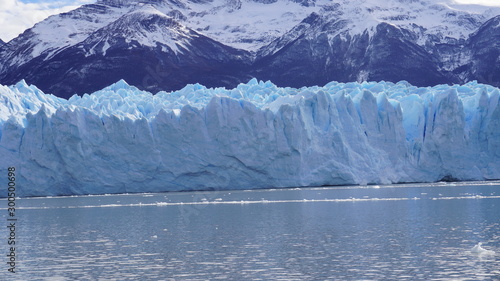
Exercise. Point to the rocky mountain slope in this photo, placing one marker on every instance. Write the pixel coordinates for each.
(166, 44)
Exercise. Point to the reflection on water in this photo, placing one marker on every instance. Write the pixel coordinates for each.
(408, 232)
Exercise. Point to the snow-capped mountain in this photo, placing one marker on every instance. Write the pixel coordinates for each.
(165, 44)
(143, 46)
(418, 41)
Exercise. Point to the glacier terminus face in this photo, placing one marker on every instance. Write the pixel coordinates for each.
(257, 135)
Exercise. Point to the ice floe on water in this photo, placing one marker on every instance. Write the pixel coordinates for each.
(478, 249)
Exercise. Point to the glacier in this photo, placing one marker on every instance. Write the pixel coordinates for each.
(123, 140)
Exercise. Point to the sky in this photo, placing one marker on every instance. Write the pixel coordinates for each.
(480, 2)
(18, 15)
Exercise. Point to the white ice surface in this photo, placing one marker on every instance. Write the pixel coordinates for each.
(121, 139)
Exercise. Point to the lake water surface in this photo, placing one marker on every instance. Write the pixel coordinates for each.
(396, 232)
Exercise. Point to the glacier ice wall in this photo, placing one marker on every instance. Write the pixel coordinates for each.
(121, 139)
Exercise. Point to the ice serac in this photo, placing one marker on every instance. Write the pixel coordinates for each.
(257, 135)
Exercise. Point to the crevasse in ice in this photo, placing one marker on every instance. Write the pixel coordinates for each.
(258, 135)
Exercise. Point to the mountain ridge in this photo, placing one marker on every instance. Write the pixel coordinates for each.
(163, 45)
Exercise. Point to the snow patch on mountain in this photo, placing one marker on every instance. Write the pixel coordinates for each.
(250, 25)
(146, 26)
(432, 22)
(58, 32)
(247, 25)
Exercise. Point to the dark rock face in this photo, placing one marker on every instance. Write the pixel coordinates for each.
(71, 72)
(387, 55)
(390, 54)
(311, 53)
(484, 47)
(306, 56)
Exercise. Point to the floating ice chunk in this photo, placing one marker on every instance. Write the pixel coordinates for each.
(480, 250)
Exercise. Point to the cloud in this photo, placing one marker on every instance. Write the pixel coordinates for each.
(480, 2)
(17, 16)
